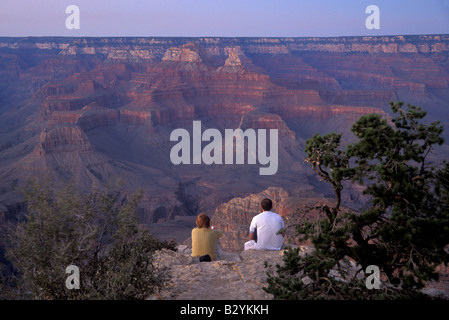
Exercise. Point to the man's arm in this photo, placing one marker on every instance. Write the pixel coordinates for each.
(283, 228)
(253, 230)
(252, 236)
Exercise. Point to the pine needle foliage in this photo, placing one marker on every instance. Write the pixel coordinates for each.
(404, 229)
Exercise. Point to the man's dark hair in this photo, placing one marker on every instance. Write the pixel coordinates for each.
(266, 204)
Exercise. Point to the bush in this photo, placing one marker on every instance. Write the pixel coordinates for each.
(98, 232)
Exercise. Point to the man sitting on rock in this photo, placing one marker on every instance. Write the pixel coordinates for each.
(266, 224)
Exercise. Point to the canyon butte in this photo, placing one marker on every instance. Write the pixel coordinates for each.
(92, 111)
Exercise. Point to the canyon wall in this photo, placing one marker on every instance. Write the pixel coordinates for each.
(92, 110)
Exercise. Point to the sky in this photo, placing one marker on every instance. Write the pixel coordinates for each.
(222, 18)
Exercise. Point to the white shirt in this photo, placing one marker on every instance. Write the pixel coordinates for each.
(268, 224)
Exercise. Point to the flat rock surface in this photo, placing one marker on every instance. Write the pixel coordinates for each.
(234, 277)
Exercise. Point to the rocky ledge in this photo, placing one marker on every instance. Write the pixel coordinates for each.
(238, 276)
(233, 277)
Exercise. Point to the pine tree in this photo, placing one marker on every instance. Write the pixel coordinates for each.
(404, 229)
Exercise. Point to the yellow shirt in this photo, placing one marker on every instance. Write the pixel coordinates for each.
(204, 241)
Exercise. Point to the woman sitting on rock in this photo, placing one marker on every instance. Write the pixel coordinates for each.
(205, 239)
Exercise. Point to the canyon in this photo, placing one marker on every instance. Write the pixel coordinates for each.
(93, 111)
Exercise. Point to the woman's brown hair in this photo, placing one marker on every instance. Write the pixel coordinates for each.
(203, 221)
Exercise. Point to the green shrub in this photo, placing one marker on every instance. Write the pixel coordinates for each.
(98, 232)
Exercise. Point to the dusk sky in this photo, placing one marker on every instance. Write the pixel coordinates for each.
(229, 18)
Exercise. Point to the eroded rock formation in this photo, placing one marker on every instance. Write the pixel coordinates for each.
(96, 109)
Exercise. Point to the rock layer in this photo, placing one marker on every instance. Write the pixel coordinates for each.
(96, 109)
